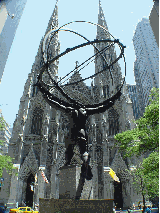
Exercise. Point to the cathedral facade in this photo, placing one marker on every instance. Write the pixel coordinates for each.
(39, 134)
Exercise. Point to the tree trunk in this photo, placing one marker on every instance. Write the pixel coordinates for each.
(143, 203)
(143, 197)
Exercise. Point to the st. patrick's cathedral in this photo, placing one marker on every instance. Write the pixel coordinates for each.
(39, 131)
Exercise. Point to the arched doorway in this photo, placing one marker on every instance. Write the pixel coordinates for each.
(118, 199)
(29, 190)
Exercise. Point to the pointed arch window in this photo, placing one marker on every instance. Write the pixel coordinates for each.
(36, 126)
(104, 91)
(108, 90)
(35, 91)
(113, 122)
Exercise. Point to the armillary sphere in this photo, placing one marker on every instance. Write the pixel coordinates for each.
(58, 86)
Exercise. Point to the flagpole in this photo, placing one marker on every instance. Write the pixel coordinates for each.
(108, 151)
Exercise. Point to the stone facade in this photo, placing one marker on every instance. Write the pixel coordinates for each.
(147, 59)
(5, 136)
(135, 98)
(39, 131)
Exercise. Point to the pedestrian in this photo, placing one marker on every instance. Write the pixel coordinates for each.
(36, 207)
(148, 209)
(134, 206)
(114, 210)
(23, 204)
(139, 205)
(129, 209)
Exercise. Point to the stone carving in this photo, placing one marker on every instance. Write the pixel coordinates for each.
(30, 165)
(60, 156)
(120, 167)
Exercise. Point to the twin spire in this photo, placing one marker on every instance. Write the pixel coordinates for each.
(101, 34)
(101, 21)
(53, 23)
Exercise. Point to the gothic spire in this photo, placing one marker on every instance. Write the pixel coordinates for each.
(53, 22)
(101, 21)
(54, 46)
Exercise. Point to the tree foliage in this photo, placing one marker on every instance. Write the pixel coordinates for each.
(146, 176)
(144, 139)
(150, 167)
(145, 136)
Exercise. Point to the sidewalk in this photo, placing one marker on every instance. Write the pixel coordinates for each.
(154, 210)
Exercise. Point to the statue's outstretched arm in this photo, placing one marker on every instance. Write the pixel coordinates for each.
(102, 107)
(52, 100)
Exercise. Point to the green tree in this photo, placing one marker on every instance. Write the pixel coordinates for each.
(151, 173)
(145, 177)
(138, 177)
(144, 139)
(145, 136)
(5, 160)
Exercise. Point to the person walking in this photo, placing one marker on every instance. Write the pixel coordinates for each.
(129, 209)
(148, 209)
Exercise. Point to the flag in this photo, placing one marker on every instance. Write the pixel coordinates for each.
(113, 175)
(44, 177)
(32, 188)
(36, 178)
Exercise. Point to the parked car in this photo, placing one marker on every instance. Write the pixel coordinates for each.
(23, 210)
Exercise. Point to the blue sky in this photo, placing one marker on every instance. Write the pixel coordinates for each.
(121, 17)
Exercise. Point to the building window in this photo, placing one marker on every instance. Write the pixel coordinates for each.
(113, 122)
(108, 90)
(36, 126)
(104, 91)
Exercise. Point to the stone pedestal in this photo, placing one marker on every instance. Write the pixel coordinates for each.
(13, 188)
(70, 205)
(69, 179)
(36, 198)
(53, 182)
(41, 185)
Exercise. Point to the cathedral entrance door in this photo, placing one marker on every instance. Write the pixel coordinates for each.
(29, 190)
(118, 194)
